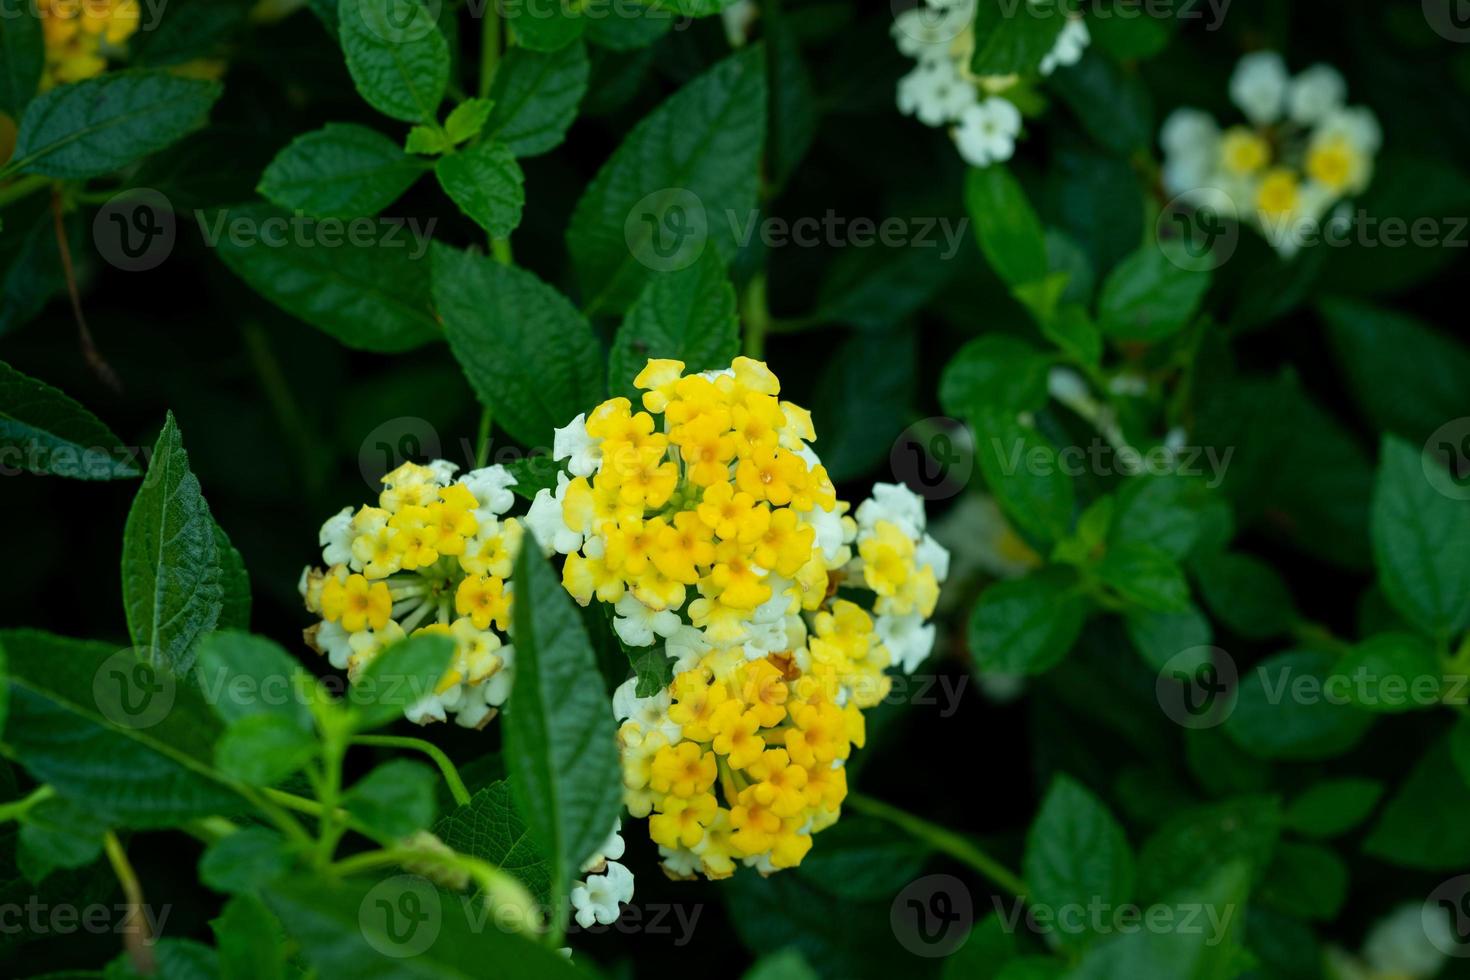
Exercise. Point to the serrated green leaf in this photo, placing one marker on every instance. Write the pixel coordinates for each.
(536, 97)
(371, 297)
(1423, 824)
(490, 828)
(397, 56)
(102, 124)
(262, 749)
(688, 315)
(171, 575)
(1027, 625)
(340, 171)
(1012, 39)
(22, 55)
(693, 160)
(1009, 232)
(1332, 807)
(628, 27)
(251, 942)
(235, 580)
(44, 431)
(245, 860)
(1246, 594)
(1283, 710)
(395, 799)
(467, 119)
(1025, 473)
(560, 748)
(486, 182)
(242, 675)
(1145, 576)
(398, 678)
(1391, 673)
(1149, 297)
(545, 25)
(1421, 542)
(527, 352)
(1160, 636)
(111, 733)
(994, 372)
(57, 833)
(1076, 854)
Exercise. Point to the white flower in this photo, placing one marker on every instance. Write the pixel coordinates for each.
(831, 536)
(682, 863)
(1358, 125)
(1070, 44)
(1187, 130)
(443, 471)
(335, 642)
(935, 555)
(926, 30)
(1258, 86)
(597, 899)
(428, 708)
(935, 92)
(336, 538)
(686, 646)
(650, 714)
(546, 523)
(497, 686)
(610, 850)
(1315, 94)
(472, 709)
(572, 443)
(896, 504)
(987, 132)
(737, 20)
(636, 623)
(907, 638)
(491, 487)
(1408, 942)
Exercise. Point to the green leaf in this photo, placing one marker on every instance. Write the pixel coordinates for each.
(44, 431)
(1027, 625)
(1013, 41)
(666, 192)
(490, 828)
(1285, 710)
(1113, 105)
(467, 119)
(395, 799)
(397, 55)
(243, 675)
(372, 297)
(990, 945)
(358, 928)
(174, 959)
(398, 678)
(688, 315)
(1460, 747)
(57, 833)
(1072, 330)
(263, 749)
(1023, 470)
(1246, 594)
(1391, 673)
(171, 575)
(1195, 843)
(1308, 881)
(1423, 824)
(1145, 576)
(102, 124)
(785, 965)
(536, 97)
(486, 182)
(545, 25)
(1157, 511)
(877, 288)
(22, 55)
(1384, 353)
(111, 732)
(559, 744)
(251, 942)
(1332, 807)
(994, 372)
(1007, 227)
(533, 473)
(861, 860)
(528, 353)
(1421, 542)
(1149, 297)
(235, 580)
(654, 671)
(863, 395)
(1076, 853)
(340, 171)
(628, 27)
(1160, 636)
(245, 860)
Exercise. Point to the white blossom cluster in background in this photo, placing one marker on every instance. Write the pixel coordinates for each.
(1300, 151)
(942, 90)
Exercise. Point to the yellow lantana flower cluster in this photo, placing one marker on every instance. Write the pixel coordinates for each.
(711, 528)
(81, 34)
(1300, 151)
(433, 556)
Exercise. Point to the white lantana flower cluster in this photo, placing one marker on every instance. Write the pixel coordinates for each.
(608, 885)
(1301, 151)
(943, 91)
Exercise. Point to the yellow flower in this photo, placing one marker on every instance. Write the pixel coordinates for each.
(1279, 192)
(735, 734)
(1243, 152)
(680, 821)
(683, 770)
(1335, 164)
(357, 604)
(484, 600)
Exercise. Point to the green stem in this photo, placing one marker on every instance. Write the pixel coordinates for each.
(21, 188)
(19, 808)
(136, 938)
(482, 450)
(489, 48)
(756, 316)
(957, 846)
(287, 823)
(332, 825)
(451, 774)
